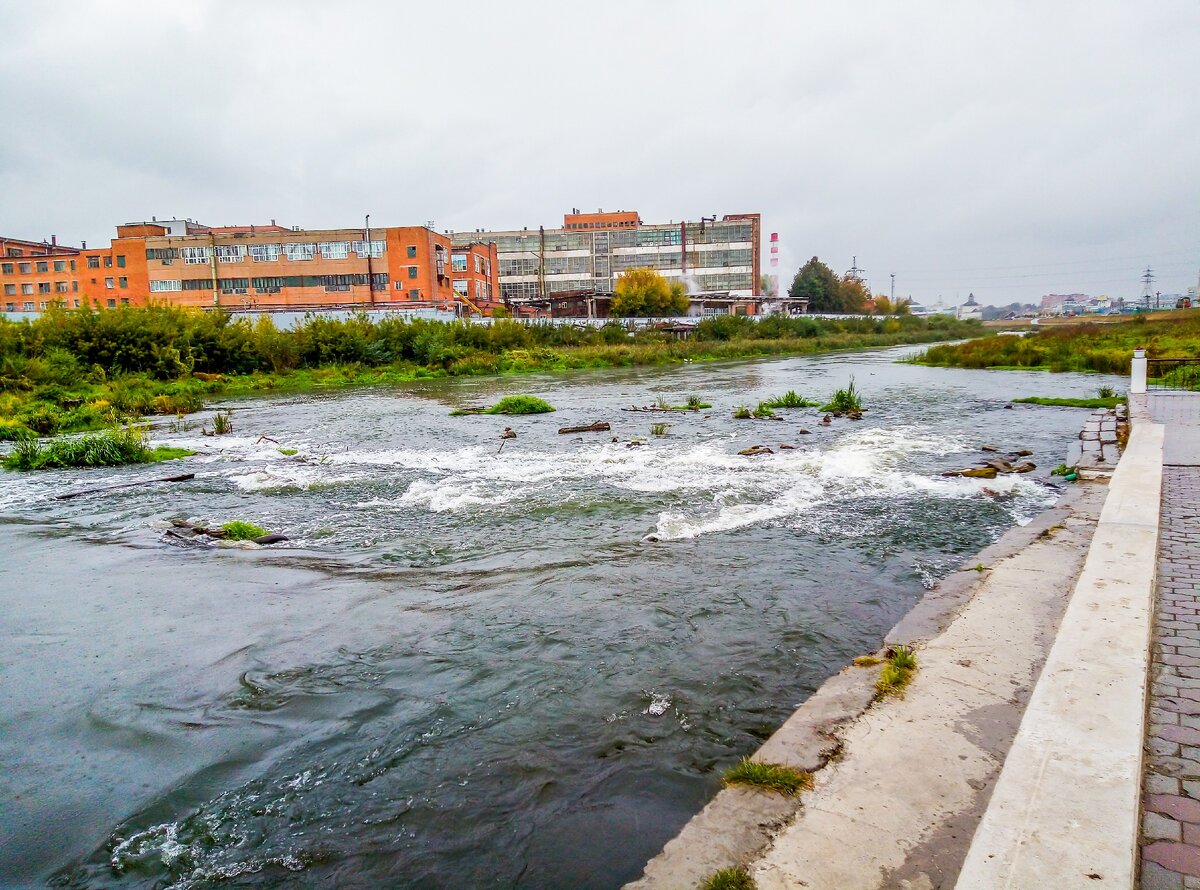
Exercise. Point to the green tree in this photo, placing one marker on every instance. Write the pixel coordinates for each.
(817, 283)
(645, 293)
(852, 294)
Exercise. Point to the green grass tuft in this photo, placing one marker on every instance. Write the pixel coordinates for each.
(729, 879)
(242, 531)
(520, 405)
(288, 451)
(659, 429)
(763, 411)
(741, 412)
(845, 400)
(771, 776)
(790, 399)
(897, 673)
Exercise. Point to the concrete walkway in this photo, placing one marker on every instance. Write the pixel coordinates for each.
(1170, 848)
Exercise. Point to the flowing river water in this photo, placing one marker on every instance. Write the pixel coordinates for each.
(470, 666)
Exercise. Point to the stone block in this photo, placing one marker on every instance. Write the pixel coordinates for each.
(1074, 452)
(1157, 827)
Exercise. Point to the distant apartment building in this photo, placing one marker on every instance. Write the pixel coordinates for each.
(180, 262)
(1053, 302)
(717, 259)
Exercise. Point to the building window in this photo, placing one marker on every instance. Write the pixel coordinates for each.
(93, 262)
(122, 281)
(412, 251)
(60, 265)
(61, 287)
(112, 304)
(121, 261)
(10, 290)
(165, 254)
(414, 295)
(165, 285)
(264, 253)
(72, 265)
(372, 248)
(230, 253)
(379, 281)
(27, 289)
(108, 283)
(195, 256)
(108, 262)
(10, 307)
(197, 284)
(28, 304)
(6, 268)
(460, 285)
(43, 287)
(412, 271)
(334, 250)
(124, 301)
(75, 289)
(43, 266)
(75, 303)
(25, 268)
(295, 251)
(42, 305)
(14, 251)
(234, 285)
(458, 262)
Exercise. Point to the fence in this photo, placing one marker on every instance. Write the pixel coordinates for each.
(1173, 373)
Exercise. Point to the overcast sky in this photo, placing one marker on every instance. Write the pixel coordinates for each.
(1007, 149)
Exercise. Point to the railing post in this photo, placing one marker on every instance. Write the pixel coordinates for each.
(1137, 372)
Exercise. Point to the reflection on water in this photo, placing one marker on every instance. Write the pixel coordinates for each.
(475, 666)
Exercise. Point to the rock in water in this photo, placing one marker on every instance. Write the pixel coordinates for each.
(756, 450)
(988, 448)
(974, 472)
(804, 432)
(1025, 467)
(273, 538)
(999, 465)
(785, 447)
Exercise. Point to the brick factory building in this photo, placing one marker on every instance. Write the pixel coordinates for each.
(183, 263)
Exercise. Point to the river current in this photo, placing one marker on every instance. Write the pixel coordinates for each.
(477, 662)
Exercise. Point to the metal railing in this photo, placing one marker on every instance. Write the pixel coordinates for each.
(1173, 373)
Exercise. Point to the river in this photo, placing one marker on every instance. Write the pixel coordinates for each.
(472, 666)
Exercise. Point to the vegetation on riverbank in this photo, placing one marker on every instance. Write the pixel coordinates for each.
(1105, 348)
(737, 878)
(73, 370)
(242, 531)
(1073, 403)
(111, 448)
(898, 672)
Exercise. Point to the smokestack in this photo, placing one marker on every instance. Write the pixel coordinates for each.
(84, 245)
(54, 241)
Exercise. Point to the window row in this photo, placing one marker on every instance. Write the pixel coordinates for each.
(28, 305)
(40, 266)
(303, 250)
(43, 287)
(268, 284)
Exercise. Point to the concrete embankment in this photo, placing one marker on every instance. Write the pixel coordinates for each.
(1013, 761)
(900, 784)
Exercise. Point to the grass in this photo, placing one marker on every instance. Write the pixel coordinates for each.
(1101, 402)
(659, 429)
(288, 452)
(729, 879)
(763, 411)
(111, 448)
(790, 399)
(741, 412)
(897, 673)
(844, 400)
(242, 531)
(520, 405)
(222, 423)
(770, 776)
(696, 403)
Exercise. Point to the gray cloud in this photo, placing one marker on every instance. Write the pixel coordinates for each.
(1007, 149)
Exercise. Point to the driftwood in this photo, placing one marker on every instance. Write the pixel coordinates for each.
(599, 427)
(262, 439)
(182, 477)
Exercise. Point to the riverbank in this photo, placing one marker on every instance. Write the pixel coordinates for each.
(1083, 347)
(71, 372)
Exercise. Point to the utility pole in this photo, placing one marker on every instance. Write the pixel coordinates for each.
(893, 290)
(370, 276)
(1147, 286)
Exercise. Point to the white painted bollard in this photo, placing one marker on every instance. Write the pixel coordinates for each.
(1137, 371)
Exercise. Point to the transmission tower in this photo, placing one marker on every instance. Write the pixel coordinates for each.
(1147, 286)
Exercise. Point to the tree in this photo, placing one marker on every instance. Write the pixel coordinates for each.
(852, 294)
(645, 293)
(817, 283)
(883, 306)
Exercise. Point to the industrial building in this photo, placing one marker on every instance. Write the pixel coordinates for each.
(184, 263)
(574, 269)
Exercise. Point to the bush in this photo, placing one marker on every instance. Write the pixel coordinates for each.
(111, 448)
(845, 400)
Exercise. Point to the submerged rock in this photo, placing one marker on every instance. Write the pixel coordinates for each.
(272, 538)
(756, 450)
(804, 432)
(785, 447)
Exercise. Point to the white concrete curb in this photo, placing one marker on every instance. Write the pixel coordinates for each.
(1064, 813)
